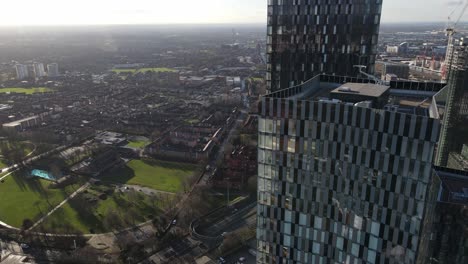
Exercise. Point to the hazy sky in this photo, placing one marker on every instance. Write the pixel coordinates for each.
(60, 12)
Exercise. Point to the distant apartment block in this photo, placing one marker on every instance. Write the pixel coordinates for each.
(53, 70)
(39, 70)
(21, 71)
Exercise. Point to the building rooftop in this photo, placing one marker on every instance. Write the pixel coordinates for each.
(18, 122)
(417, 98)
(364, 89)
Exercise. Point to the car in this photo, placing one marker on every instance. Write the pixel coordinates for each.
(221, 260)
(174, 222)
(24, 246)
(242, 259)
(224, 234)
(127, 188)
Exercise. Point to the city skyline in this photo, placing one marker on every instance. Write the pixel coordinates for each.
(55, 12)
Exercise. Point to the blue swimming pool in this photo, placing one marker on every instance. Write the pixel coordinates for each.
(42, 174)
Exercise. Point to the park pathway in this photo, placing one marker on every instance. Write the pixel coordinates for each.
(81, 189)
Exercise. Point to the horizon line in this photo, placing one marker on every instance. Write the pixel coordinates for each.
(188, 24)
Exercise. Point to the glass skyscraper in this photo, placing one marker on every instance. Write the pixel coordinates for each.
(345, 171)
(454, 134)
(308, 37)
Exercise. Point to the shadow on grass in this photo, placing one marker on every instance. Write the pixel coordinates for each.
(119, 175)
(59, 224)
(25, 182)
(86, 213)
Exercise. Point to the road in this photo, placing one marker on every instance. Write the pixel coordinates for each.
(243, 218)
(145, 190)
(220, 154)
(248, 257)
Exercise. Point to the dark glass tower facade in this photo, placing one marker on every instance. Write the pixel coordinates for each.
(454, 134)
(345, 182)
(309, 37)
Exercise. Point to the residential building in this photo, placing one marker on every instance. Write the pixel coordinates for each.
(31, 72)
(21, 71)
(399, 69)
(39, 70)
(346, 182)
(306, 38)
(53, 70)
(25, 123)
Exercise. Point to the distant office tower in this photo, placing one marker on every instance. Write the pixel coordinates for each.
(455, 130)
(21, 71)
(39, 70)
(345, 168)
(52, 70)
(306, 38)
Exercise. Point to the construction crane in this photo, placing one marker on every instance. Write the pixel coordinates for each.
(451, 30)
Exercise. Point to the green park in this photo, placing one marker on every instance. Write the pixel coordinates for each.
(25, 90)
(158, 175)
(138, 143)
(100, 208)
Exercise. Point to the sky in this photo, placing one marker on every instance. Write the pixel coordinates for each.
(89, 12)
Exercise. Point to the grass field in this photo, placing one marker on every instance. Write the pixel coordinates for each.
(143, 70)
(158, 175)
(22, 198)
(26, 90)
(138, 143)
(118, 211)
(2, 164)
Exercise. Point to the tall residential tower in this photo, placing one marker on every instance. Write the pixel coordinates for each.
(345, 171)
(310, 37)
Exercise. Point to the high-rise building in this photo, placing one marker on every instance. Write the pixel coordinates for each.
(31, 71)
(21, 71)
(53, 70)
(39, 70)
(455, 130)
(444, 238)
(345, 171)
(306, 38)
